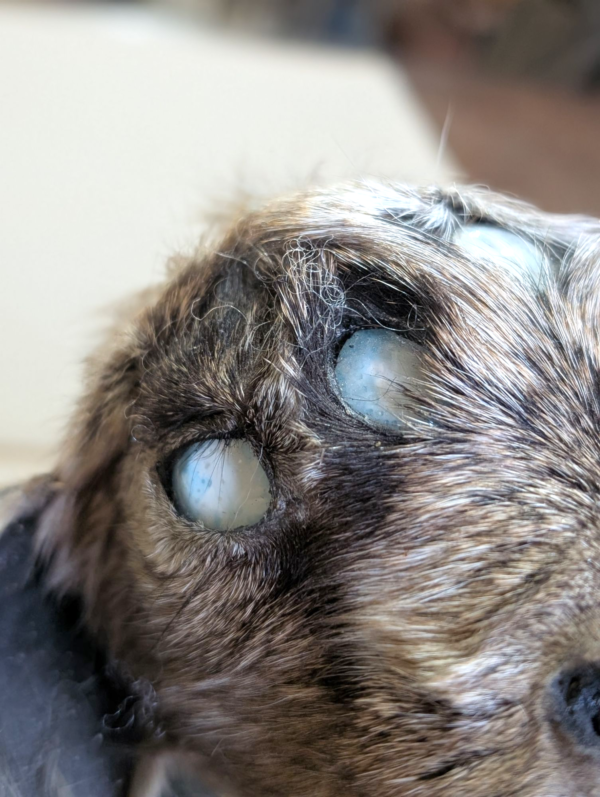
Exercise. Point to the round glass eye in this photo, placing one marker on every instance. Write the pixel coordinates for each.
(221, 484)
(373, 367)
(516, 254)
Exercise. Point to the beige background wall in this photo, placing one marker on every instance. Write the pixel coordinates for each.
(119, 131)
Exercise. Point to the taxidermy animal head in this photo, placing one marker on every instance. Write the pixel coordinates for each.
(334, 493)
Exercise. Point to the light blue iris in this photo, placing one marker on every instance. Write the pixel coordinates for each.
(221, 484)
(372, 370)
(510, 251)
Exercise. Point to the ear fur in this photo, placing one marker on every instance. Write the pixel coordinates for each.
(75, 539)
(24, 501)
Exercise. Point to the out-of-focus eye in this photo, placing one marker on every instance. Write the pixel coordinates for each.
(372, 370)
(516, 254)
(221, 484)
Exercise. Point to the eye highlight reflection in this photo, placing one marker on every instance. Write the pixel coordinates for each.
(372, 370)
(221, 484)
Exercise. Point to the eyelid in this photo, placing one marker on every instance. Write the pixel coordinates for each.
(195, 429)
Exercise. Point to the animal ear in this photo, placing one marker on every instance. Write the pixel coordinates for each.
(78, 508)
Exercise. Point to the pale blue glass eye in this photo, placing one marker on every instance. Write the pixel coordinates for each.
(221, 484)
(372, 370)
(510, 251)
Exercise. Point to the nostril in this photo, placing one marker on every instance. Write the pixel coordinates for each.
(577, 703)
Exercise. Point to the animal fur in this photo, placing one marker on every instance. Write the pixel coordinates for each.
(391, 627)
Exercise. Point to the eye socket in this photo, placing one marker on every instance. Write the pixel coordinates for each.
(373, 367)
(221, 484)
(515, 254)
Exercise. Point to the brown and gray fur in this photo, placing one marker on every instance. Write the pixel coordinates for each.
(392, 626)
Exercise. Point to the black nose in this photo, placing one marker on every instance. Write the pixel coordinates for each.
(577, 703)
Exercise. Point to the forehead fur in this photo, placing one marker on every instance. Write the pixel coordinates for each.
(391, 625)
(280, 289)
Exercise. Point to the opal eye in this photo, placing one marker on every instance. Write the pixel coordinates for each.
(372, 370)
(516, 254)
(221, 484)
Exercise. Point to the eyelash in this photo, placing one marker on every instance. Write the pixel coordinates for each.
(165, 465)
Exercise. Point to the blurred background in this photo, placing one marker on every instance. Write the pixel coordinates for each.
(126, 127)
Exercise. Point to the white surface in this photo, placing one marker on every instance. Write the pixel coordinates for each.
(119, 130)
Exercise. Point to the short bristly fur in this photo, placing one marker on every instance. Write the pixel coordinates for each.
(391, 626)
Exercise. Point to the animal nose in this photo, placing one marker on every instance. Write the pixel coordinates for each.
(577, 702)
